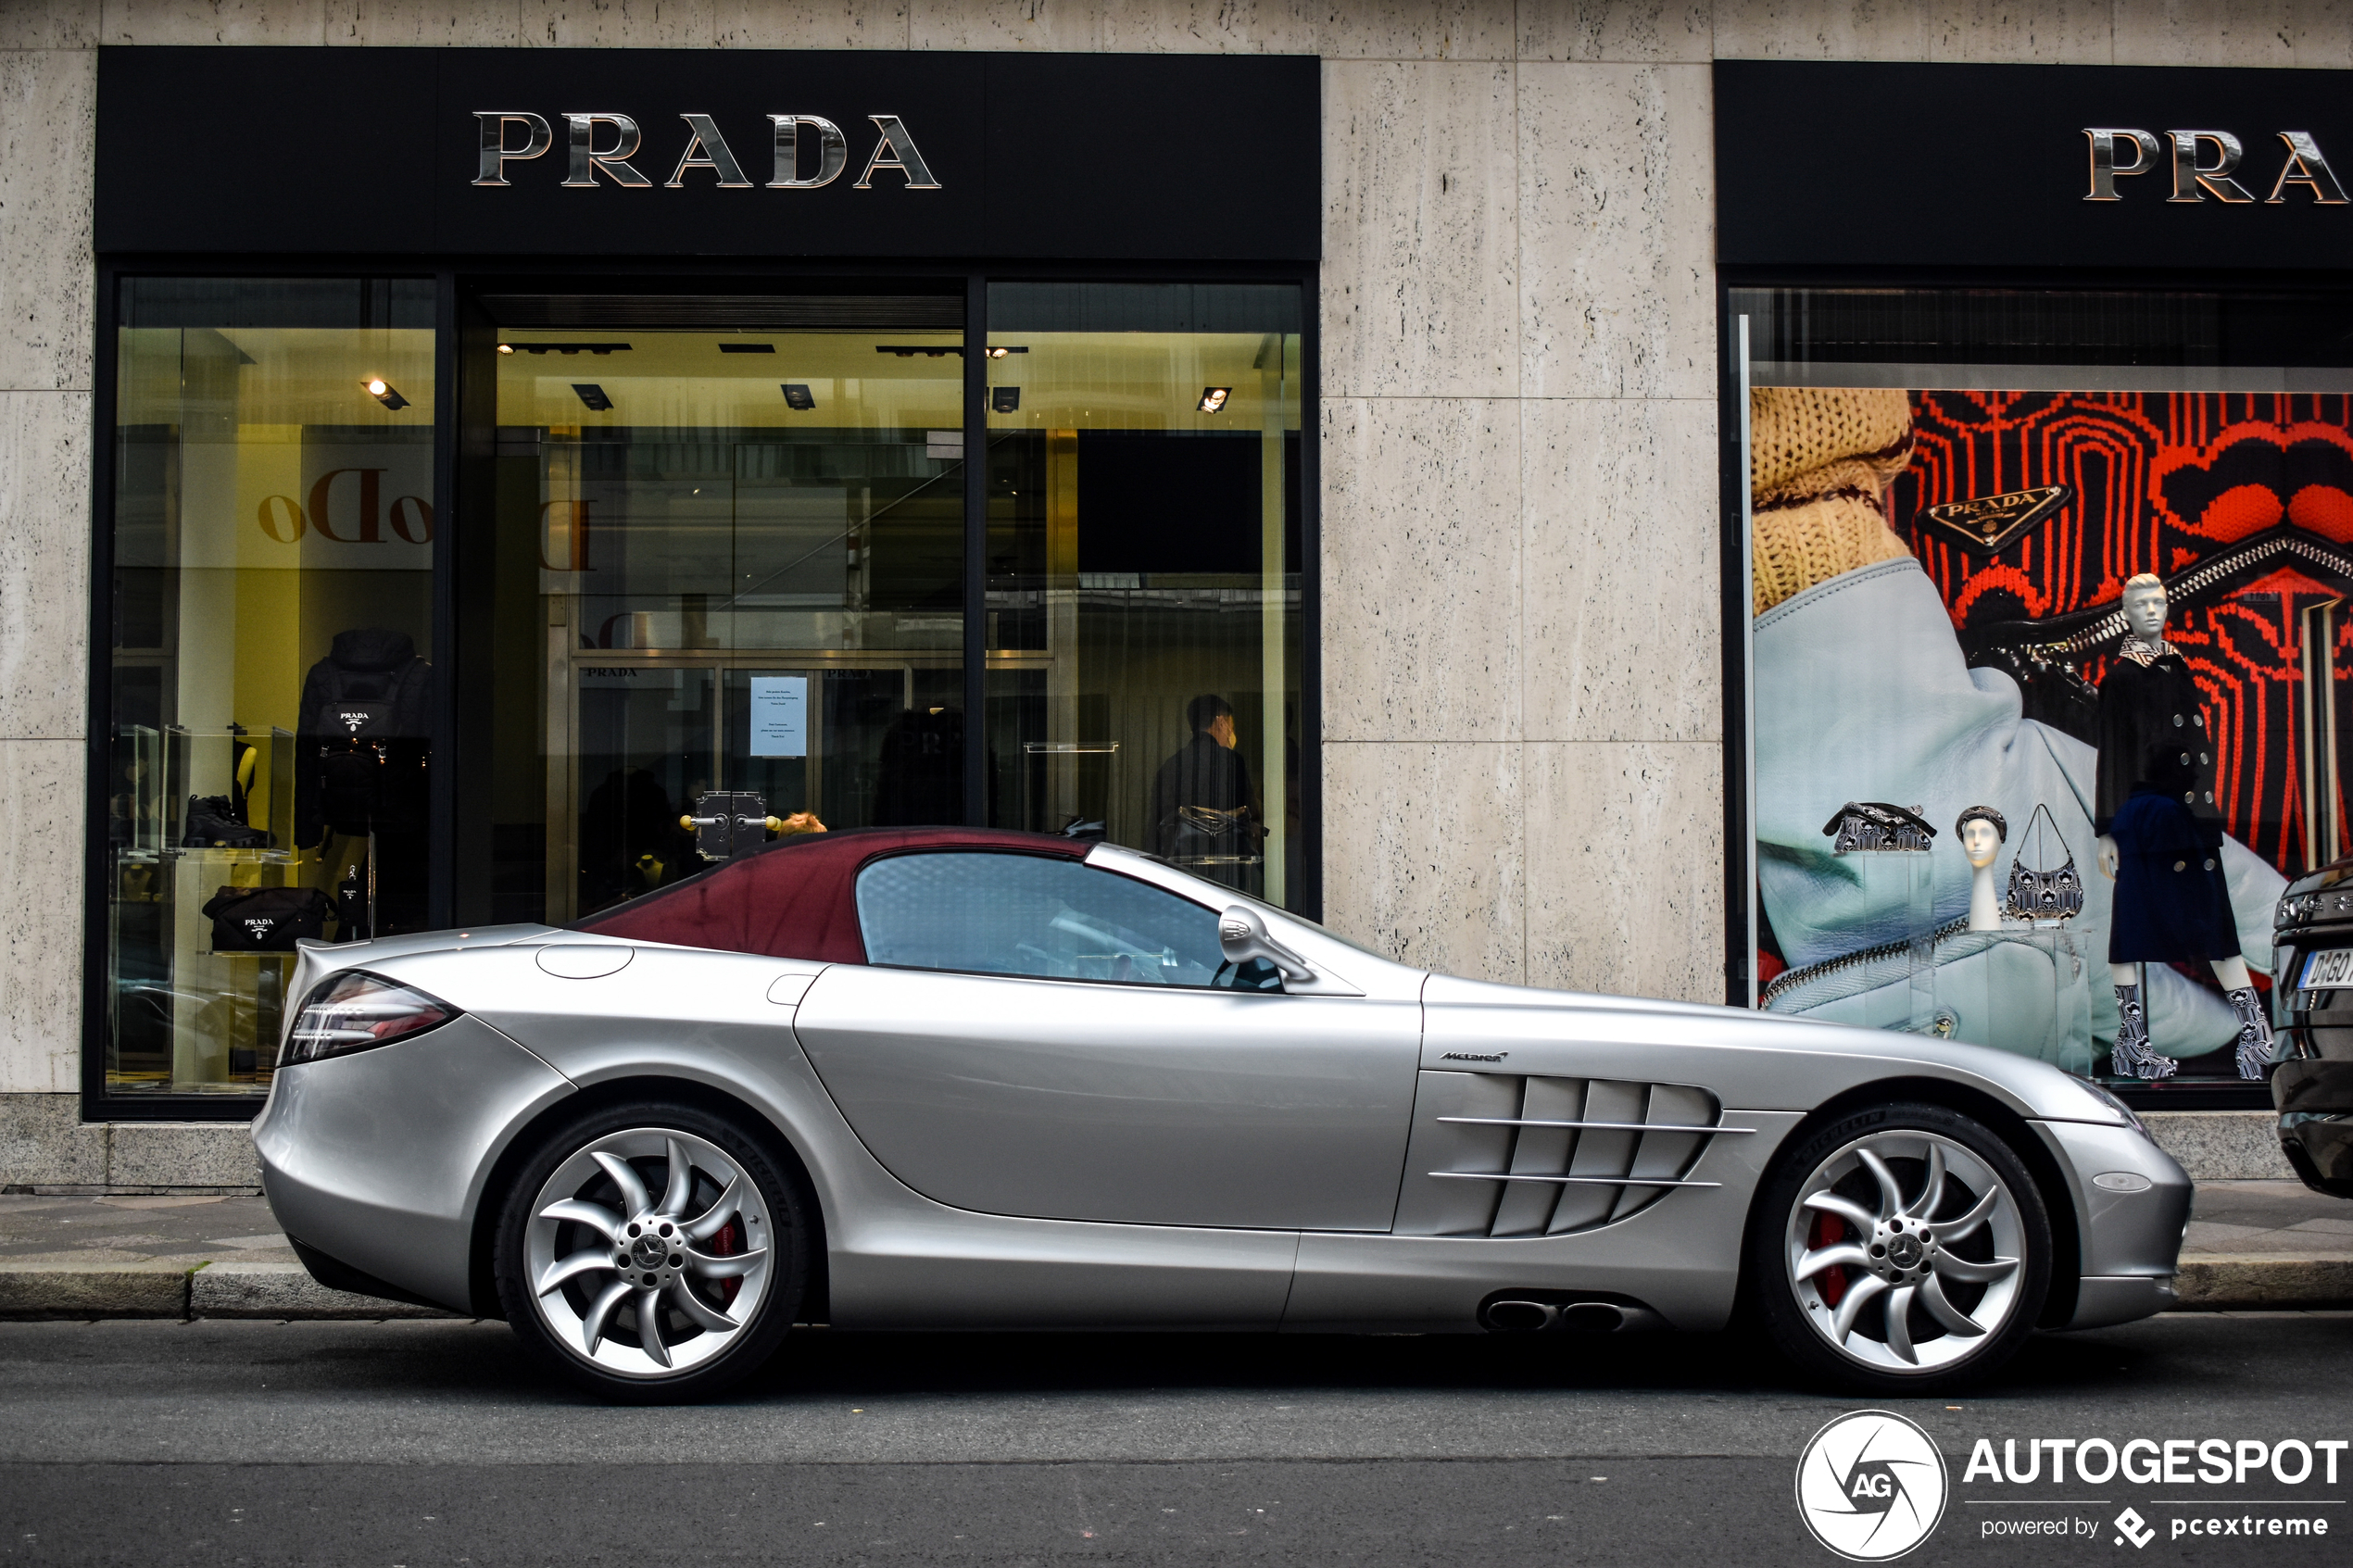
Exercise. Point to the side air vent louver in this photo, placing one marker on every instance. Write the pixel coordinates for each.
(1500, 1154)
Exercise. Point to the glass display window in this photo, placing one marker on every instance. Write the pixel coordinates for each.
(1143, 587)
(729, 580)
(2047, 656)
(272, 707)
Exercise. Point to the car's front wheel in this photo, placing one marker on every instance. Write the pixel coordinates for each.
(651, 1252)
(1900, 1250)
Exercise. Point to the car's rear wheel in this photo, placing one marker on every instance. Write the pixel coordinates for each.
(1900, 1250)
(652, 1253)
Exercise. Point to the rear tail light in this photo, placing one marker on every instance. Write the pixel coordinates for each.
(355, 1011)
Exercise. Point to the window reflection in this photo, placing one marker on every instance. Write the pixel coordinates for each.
(737, 557)
(1144, 571)
(272, 695)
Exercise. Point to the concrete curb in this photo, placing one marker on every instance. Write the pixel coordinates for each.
(95, 1290)
(2215, 1282)
(230, 1289)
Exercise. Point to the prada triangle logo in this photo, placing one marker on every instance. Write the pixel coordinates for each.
(1983, 524)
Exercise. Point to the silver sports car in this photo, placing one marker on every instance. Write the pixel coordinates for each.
(960, 1079)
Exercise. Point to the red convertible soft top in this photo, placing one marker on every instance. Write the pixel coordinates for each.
(794, 899)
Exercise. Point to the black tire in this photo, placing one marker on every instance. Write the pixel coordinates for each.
(710, 1361)
(1799, 1318)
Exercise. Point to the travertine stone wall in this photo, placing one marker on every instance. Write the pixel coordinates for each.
(1522, 682)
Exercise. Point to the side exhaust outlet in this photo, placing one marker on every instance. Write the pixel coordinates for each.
(1511, 1316)
(1514, 1313)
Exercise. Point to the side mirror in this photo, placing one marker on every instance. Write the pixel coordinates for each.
(1242, 937)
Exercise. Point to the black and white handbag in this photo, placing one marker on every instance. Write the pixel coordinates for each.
(1872, 827)
(2044, 891)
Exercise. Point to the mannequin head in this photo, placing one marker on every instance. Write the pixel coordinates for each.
(2145, 606)
(1982, 832)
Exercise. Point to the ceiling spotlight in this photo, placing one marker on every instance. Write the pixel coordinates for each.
(592, 395)
(796, 396)
(1004, 400)
(1000, 350)
(506, 348)
(1212, 399)
(381, 389)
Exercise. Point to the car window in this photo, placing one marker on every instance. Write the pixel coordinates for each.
(1047, 918)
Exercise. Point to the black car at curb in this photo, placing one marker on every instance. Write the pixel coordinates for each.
(2312, 1086)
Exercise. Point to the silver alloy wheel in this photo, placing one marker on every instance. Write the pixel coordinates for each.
(653, 1226)
(1921, 1261)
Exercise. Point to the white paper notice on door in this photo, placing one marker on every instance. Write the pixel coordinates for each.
(780, 716)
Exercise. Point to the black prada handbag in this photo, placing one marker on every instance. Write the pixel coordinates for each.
(265, 919)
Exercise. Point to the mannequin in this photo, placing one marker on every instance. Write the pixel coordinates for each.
(362, 767)
(1983, 833)
(2162, 838)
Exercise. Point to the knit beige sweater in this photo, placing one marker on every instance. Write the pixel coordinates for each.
(1821, 460)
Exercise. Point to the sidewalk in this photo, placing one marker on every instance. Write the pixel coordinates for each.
(2251, 1245)
(2267, 1244)
(161, 1257)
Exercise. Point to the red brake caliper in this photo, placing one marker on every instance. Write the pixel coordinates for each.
(1829, 1231)
(730, 1241)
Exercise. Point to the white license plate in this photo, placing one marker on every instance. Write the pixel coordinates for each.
(2329, 971)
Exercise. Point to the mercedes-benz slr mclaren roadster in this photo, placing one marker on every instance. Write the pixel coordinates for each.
(956, 1079)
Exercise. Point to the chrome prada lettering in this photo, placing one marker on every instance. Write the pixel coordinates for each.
(2205, 164)
(2106, 170)
(2305, 166)
(495, 151)
(903, 156)
(614, 160)
(705, 139)
(833, 151)
(809, 150)
(2193, 179)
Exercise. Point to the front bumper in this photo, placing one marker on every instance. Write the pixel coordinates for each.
(379, 1160)
(2314, 1096)
(2129, 1225)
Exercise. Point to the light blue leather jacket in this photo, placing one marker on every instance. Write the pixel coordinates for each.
(1862, 693)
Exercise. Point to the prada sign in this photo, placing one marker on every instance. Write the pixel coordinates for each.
(860, 154)
(705, 149)
(2034, 167)
(2206, 163)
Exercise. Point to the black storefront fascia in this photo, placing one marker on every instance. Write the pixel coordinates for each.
(1964, 184)
(305, 162)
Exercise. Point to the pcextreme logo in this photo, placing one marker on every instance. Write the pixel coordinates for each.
(1870, 1485)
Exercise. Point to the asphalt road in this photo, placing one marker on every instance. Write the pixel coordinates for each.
(418, 1444)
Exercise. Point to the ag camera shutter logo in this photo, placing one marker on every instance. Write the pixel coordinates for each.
(1871, 1487)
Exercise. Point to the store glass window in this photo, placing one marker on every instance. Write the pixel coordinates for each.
(728, 582)
(272, 707)
(1143, 587)
(2048, 649)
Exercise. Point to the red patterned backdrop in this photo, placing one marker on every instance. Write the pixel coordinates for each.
(2161, 482)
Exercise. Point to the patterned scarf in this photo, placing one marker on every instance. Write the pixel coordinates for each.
(2142, 653)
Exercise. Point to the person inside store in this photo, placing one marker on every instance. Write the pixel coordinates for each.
(1205, 813)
